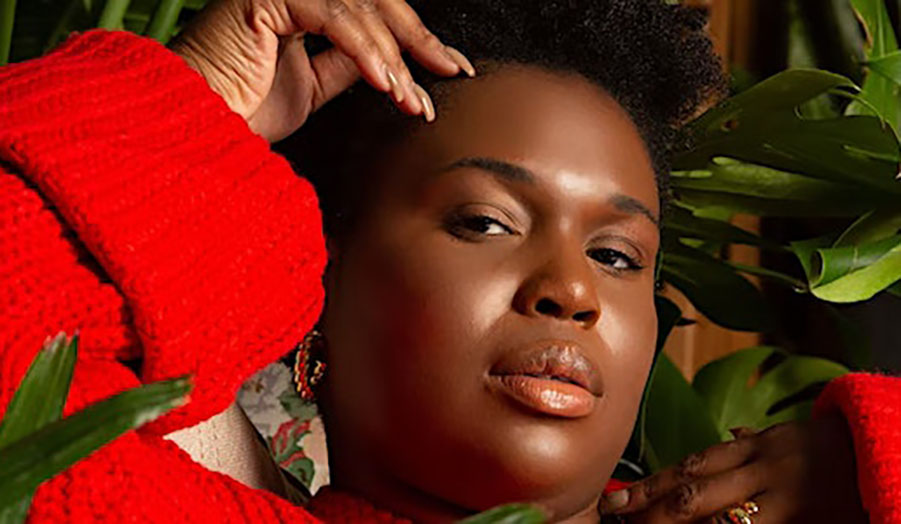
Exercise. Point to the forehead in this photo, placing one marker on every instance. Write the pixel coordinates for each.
(558, 125)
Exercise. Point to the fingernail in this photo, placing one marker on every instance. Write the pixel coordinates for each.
(742, 431)
(415, 97)
(461, 61)
(428, 109)
(396, 88)
(614, 501)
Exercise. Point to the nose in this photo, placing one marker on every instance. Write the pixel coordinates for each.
(563, 289)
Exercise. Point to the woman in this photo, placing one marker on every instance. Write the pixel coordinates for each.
(490, 319)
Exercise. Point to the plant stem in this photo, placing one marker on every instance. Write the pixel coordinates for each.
(7, 17)
(113, 13)
(164, 20)
(62, 25)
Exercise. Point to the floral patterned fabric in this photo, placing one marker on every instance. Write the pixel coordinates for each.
(291, 427)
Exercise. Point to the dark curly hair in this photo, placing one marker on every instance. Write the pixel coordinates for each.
(652, 57)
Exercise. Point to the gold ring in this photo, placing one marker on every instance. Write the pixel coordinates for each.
(742, 514)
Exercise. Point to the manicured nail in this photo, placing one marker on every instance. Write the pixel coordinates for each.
(396, 88)
(415, 97)
(428, 108)
(461, 61)
(614, 501)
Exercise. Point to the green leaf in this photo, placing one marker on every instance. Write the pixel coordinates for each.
(805, 249)
(16, 512)
(799, 411)
(895, 290)
(7, 16)
(864, 283)
(762, 126)
(775, 192)
(723, 384)
(678, 421)
(720, 293)
(508, 514)
(850, 273)
(888, 65)
(38, 401)
(789, 378)
(875, 225)
(878, 90)
(31, 460)
(802, 52)
(668, 317)
(834, 263)
(684, 223)
(42, 393)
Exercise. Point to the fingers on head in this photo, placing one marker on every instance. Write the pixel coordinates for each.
(344, 28)
(371, 18)
(415, 37)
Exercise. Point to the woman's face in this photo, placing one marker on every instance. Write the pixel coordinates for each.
(491, 320)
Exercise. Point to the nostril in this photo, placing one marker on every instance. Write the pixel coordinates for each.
(586, 317)
(546, 306)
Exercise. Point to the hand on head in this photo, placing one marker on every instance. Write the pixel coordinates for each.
(795, 472)
(251, 52)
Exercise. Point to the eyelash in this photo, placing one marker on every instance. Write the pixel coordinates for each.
(478, 224)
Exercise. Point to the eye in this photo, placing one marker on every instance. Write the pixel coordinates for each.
(616, 260)
(474, 225)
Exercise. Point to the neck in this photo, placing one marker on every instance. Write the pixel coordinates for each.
(359, 476)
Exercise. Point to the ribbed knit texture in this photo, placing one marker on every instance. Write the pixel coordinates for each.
(338, 507)
(138, 209)
(872, 406)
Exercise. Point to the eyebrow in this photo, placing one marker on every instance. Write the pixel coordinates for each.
(633, 206)
(515, 173)
(506, 170)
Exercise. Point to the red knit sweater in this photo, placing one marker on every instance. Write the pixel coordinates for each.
(135, 207)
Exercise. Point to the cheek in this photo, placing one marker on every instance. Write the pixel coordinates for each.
(629, 330)
(414, 319)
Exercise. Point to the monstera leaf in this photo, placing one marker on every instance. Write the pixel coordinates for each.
(864, 260)
(677, 421)
(723, 384)
(755, 153)
(715, 288)
(763, 126)
(880, 89)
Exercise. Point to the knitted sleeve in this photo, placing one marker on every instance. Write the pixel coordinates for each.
(138, 209)
(872, 406)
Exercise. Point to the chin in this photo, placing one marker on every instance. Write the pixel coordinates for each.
(558, 465)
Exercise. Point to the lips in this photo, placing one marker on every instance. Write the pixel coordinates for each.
(549, 377)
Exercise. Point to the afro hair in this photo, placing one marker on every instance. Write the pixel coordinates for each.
(652, 57)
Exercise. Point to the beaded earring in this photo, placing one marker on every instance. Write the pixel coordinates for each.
(309, 364)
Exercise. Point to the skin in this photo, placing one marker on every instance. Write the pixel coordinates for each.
(422, 303)
(433, 307)
(795, 472)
